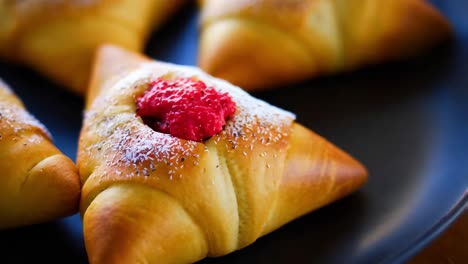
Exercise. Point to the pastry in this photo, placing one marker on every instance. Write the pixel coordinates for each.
(262, 44)
(37, 183)
(59, 37)
(177, 165)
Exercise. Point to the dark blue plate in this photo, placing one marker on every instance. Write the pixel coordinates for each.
(407, 122)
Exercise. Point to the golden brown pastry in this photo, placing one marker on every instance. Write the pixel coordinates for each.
(59, 37)
(37, 182)
(154, 197)
(259, 44)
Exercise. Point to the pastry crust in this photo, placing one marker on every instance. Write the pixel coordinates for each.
(59, 37)
(38, 183)
(160, 199)
(262, 44)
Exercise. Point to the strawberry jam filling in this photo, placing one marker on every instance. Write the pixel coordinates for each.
(185, 108)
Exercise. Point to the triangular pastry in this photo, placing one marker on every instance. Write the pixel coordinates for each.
(59, 38)
(37, 182)
(177, 165)
(260, 44)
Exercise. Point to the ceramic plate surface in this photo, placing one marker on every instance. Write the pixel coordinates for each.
(407, 122)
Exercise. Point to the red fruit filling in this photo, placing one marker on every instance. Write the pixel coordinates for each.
(185, 108)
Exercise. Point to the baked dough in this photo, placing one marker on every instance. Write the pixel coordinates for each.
(149, 197)
(261, 44)
(58, 37)
(37, 182)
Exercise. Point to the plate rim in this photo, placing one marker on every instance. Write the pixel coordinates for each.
(441, 225)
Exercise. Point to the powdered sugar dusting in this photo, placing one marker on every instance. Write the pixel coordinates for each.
(148, 145)
(130, 149)
(14, 117)
(250, 110)
(253, 117)
(18, 119)
(140, 154)
(5, 87)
